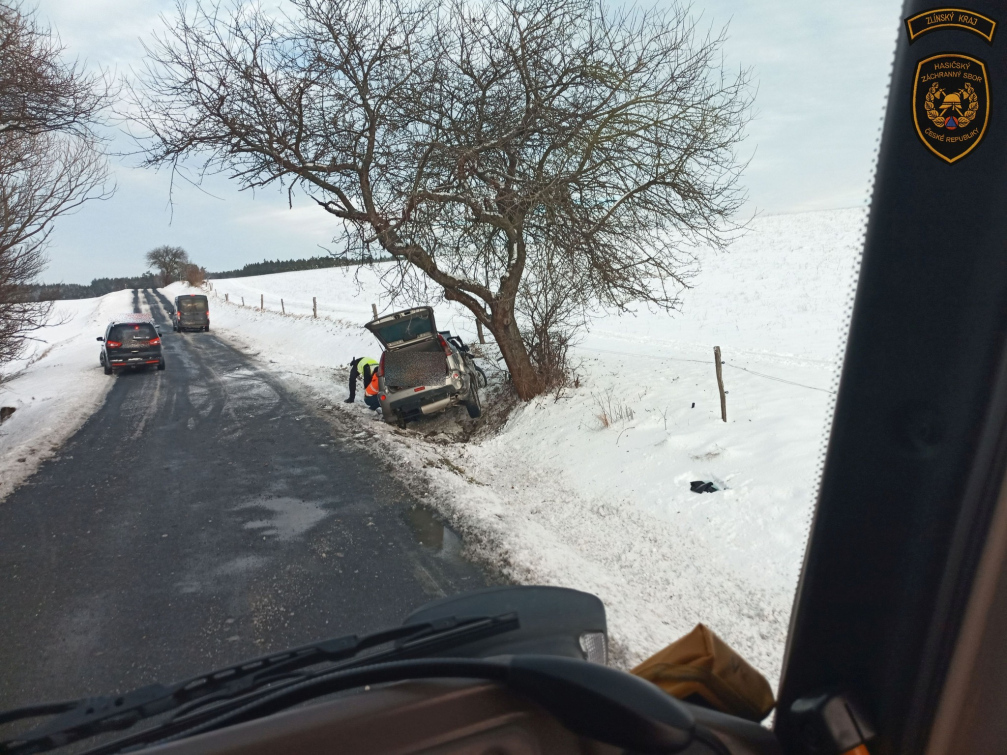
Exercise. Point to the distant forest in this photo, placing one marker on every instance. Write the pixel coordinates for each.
(285, 266)
(102, 286)
(98, 287)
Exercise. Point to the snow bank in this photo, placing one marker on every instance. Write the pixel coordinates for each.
(563, 496)
(55, 386)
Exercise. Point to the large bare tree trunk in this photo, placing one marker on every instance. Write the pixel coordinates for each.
(527, 382)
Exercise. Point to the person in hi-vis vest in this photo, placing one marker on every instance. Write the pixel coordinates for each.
(367, 370)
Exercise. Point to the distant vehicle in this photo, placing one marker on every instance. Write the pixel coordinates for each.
(423, 371)
(192, 312)
(130, 343)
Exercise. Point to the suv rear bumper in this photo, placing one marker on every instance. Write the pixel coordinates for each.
(134, 360)
(408, 404)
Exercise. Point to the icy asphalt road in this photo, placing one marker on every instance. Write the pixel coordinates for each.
(203, 515)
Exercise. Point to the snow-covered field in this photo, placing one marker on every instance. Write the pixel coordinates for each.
(55, 385)
(557, 497)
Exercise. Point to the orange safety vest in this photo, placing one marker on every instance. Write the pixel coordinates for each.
(372, 387)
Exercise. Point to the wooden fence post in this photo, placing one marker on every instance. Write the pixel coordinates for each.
(243, 301)
(374, 309)
(479, 331)
(314, 307)
(262, 302)
(283, 309)
(720, 383)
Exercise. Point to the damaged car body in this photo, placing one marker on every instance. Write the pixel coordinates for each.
(423, 371)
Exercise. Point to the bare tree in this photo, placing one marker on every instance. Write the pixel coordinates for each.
(552, 306)
(39, 91)
(491, 148)
(50, 160)
(170, 262)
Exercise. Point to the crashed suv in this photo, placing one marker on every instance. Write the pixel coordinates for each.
(423, 371)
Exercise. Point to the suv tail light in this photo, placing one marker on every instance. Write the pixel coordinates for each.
(154, 342)
(113, 344)
(381, 365)
(444, 344)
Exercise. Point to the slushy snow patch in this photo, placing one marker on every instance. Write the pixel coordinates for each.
(561, 495)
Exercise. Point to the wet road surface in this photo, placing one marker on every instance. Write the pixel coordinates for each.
(201, 516)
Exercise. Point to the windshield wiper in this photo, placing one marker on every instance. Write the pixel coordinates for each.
(221, 690)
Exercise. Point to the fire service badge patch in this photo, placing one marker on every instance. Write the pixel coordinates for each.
(951, 104)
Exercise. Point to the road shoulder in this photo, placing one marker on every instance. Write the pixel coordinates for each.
(55, 387)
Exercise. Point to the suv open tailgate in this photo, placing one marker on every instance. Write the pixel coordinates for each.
(409, 327)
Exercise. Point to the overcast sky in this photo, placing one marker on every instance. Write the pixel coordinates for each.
(821, 67)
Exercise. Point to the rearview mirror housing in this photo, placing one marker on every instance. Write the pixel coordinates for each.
(100, 338)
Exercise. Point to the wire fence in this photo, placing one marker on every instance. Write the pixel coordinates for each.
(707, 362)
(779, 379)
(296, 307)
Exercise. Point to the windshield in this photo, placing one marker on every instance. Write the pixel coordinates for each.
(560, 296)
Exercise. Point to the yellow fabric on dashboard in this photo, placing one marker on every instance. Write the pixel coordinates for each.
(703, 665)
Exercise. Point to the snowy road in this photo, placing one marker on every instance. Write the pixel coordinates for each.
(201, 516)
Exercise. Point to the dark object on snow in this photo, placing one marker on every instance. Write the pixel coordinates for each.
(693, 404)
(702, 486)
(5, 412)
